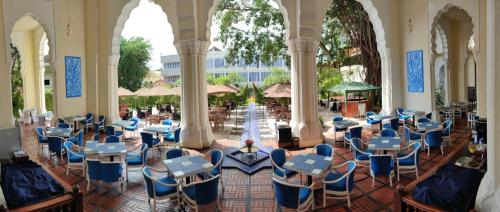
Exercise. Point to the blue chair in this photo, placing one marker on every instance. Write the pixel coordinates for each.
(112, 139)
(96, 137)
(100, 123)
(153, 143)
(201, 192)
(360, 157)
(106, 171)
(411, 136)
(134, 124)
(339, 185)
(446, 132)
(160, 188)
(110, 130)
(77, 138)
(167, 122)
(64, 125)
(41, 138)
(423, 120)
(278, 158)
(75, 158)
(353, 132)
(433, 139)
(429, 115)
(136, 158)
(334, 119)
(402, 117)
(175, 153)
(89, 118)
(293, 196)
(371, 121)
(175, 137)
(381, 165)
(323, 150)
(60, 121)
(94, 171)
(393, 124)
(388, 133)
(337, 118)
(408, 163)
(216, 158)
(55, 145)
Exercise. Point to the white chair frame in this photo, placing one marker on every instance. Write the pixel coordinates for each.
(391, 175)
(275, 166)
(155, 180)
(360, 162)
(192, 203)
(408, 169)
(338, 194)
(79, 165)
(218, 164)
(41, 144)
(427, 146)
(309, 203)
(145, 160)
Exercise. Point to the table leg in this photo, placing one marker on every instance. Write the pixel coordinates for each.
(309, 180)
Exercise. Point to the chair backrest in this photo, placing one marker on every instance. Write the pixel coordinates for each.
(60, 121)
(415, 151)
(428, 115)
(78, 137)
(177, 135)
(113, 170)
(423, 120)
(356, 132)
(388, 133)
(174, 153)
(434, 138)
(356, 147)
(324, 150)
(146, 172)
(278, 156)
(216, 157)
(207, 191)
(94, 170)
(101, 120)
(337, 118)
(351, 167)
(63, 125)
(407, 133)
(55, 144)
(89, 117)
(39, 134)
(394, 123)
(147, 138)
(144, 153)
(381, 165)
(447, 127)
(112, 139)
(95, 137)
(69, 148)
(134, 121)
(287, 195)
(368, 114)
(167, 122)
(110, 130)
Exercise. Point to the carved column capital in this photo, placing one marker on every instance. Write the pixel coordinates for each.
(186, 47)
(302, 45)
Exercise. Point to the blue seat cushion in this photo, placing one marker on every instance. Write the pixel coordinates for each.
(76, 158)
(407, 161)
(134, 159)
(170, 137)
(203, 176)
(362, 157)
(304, 194)
(189, 191)
(131, 128)
(338, 186)
(118, 133)
(387, 126)
(404, 116)
(415, 136)
(288, 173)
(162, 190)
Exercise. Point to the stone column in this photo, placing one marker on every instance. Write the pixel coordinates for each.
(305, 123)
(488, 195)
(196, 131)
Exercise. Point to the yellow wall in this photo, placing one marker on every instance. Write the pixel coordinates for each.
(5, 92)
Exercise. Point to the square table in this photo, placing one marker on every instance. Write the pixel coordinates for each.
(385, 144)
(380, 117)
(106, 149)
(342, 126)
(310, 164)
(159, 130)
(58, 132)
(74, 119)
(121, 123)
(428, 126)
(186, 166)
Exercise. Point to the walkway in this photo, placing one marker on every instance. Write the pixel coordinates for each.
(251, 128)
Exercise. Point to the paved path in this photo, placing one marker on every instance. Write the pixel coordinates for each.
(251, 129)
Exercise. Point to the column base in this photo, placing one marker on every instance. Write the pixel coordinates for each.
(309, 136)
(196, 139)
(487, 195)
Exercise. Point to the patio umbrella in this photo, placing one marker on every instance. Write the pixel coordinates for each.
(220, 89)
(124, 92)
(175, 91)
(280, 90)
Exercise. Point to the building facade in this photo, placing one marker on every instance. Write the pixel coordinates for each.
(216, 65)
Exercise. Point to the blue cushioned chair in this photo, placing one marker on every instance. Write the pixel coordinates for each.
(371, 121)
(89, 118)
(94, 171)
(411, 136)
(55, 146)
(175, 153)
(160, 188)
(64, 125)
(360, 157)
(393, 124)
(408, 163)
(175, 137)
(152, 142)
(106, 171)
(41, 138)
(447, 131)
(323, 150)
(100, 123)
(136, 158)
(167, 122)
(112, 139)
(388, 133)
(423, 120)
(201, 192)
(429, 115)
(96, 137)
(353, 132)
(110, 130)
(77, 138)
(381, 165)
(216, 158)
(134, 124)
(75, 158)
(293, 196)
(337, 118)
(402, 117)
(433, 139)
(337, 185)
(60, 121)
(278, 158)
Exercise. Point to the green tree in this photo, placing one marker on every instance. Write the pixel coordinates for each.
(135, 53)
(259, 95)
(277, 76)
(16, 81)
(327, 77)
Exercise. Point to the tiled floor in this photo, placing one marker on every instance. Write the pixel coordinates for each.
(242, 192)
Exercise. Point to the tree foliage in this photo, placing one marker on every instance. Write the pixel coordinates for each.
(16, 81)
(327, 78)
(135, 53)
(277, 76)
(263, 40)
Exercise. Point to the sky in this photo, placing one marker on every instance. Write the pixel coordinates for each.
(150, 22)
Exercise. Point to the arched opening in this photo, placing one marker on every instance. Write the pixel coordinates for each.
(452, 61)
(142, 38)
(29, 41)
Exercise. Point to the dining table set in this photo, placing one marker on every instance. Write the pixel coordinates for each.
(312, 165)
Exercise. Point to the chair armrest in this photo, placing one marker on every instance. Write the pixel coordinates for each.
(334, 181)
(157, 170)
(165, 184)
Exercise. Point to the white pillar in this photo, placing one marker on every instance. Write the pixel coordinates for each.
(196, 131)
(387, 80)
(41, 89)
(489, 190)
(305, 121)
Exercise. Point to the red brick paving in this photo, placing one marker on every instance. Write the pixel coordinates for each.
(242, 192)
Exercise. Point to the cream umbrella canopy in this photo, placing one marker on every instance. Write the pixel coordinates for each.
(220, 89)
(154, 91)
(124, 92)
(281, 90)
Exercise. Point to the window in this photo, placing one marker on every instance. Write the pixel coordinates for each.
(219, 63)
(172, 65)
(210, 63)
(264, 75)
(244, 75)
(254, 76)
